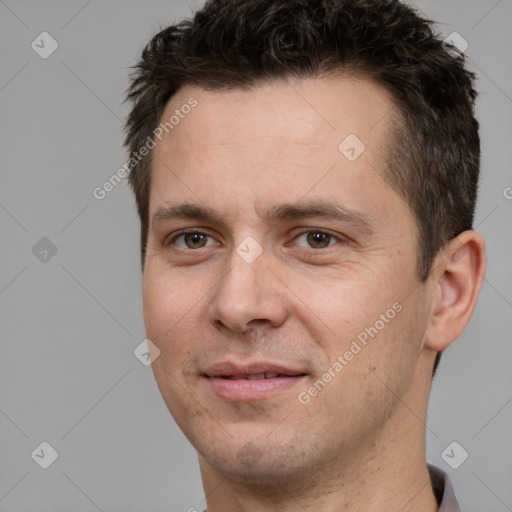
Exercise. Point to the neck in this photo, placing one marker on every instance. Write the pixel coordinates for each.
(386, 472)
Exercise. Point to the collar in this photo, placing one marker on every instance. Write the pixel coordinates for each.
(443, 490)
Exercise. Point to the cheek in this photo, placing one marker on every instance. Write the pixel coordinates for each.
(156, 297)
(165, 306)
(374, 374)
(343, 306)
(368, 315)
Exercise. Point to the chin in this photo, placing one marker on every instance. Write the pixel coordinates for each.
(265, 464)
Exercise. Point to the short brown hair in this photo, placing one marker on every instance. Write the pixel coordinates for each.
(433, 152)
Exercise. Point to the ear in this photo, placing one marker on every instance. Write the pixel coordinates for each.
(456, 278)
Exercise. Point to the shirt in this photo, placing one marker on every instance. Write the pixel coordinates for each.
(443, 490)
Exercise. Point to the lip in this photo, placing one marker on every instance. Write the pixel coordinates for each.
(229, 379)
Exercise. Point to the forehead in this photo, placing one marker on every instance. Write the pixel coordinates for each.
(277, 138)
(305, 112)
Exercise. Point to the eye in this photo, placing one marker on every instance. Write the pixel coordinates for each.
(317, 239)
(193, 240)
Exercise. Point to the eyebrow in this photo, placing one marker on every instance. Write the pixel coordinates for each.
(279, 213)
(321, 209)
(185, 211)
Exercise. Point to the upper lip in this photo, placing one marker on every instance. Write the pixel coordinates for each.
(233, 369)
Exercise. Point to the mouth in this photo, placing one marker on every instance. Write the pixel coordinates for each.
(258, 376)
(256, 381)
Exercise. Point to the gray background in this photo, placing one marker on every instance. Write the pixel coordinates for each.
(70, 324)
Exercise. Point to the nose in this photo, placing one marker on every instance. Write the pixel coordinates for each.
(248, 295)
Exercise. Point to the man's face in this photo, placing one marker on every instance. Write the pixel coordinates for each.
(257, 276)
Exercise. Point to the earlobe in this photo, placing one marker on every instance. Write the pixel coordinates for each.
(457, 274)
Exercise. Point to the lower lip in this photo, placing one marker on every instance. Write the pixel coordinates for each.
(244, 389)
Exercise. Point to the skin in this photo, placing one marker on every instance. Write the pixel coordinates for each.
(359, 444)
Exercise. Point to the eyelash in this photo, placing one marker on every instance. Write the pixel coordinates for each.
(186, 232)
(337, 238)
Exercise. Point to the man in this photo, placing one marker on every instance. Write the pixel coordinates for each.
(306, 178)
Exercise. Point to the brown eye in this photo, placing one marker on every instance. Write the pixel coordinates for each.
(193, 240)
(318, 240)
